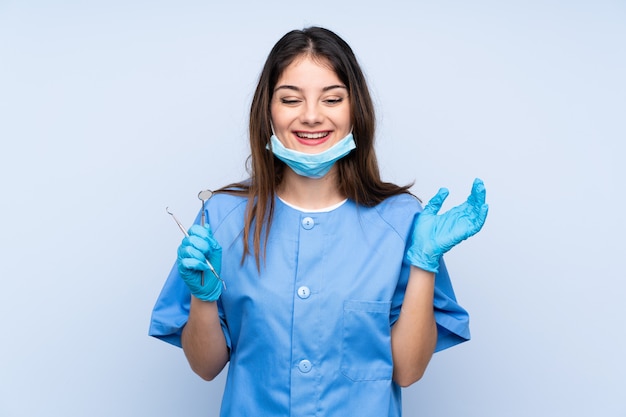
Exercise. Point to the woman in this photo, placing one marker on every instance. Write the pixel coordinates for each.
(336, 294)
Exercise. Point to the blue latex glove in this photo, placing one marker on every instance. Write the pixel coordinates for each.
(434, 235)
(192, 255)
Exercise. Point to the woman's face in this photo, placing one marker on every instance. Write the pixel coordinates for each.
(310, 106)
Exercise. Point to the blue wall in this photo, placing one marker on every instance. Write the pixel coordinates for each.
(112, 110)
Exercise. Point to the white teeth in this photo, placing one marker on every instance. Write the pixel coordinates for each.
(311, 135)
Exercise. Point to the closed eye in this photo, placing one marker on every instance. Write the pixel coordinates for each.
(289, 101)
(332, 101)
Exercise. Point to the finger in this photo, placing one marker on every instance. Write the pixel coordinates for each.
(201, 237)
(201, 231)
(214, 245)
(478, 194)
(189, 252)
(479, 221)
(203, 245)
(435, 203)
(193, 264)
(484, 210)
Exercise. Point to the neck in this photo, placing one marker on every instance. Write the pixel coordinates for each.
(310, 193)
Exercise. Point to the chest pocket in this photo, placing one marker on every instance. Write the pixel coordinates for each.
(366, 341)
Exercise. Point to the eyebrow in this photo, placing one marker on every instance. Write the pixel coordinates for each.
(298, 89)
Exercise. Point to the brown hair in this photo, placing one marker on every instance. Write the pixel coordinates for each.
(358, 173)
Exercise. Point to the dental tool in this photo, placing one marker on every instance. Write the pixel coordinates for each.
(203, 196)
(182, 228)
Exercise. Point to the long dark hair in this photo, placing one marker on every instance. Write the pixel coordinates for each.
(358, 173)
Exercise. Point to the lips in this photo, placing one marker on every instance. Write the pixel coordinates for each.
(315, 135)
(312, 138)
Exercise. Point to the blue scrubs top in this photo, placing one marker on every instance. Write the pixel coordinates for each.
(310, 335)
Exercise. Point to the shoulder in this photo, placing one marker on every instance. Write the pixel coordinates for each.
(222, 206)
(399, 205)
(399, 212)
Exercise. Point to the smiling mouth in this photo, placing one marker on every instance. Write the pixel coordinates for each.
(318, 135)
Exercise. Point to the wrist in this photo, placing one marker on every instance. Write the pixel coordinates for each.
(200, 303)
(418, 273)
(210, 291)
(422, 260)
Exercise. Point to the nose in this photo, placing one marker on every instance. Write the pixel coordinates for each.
(311, 114)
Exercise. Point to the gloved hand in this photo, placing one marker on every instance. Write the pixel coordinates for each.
(192, 255)
(434, 235)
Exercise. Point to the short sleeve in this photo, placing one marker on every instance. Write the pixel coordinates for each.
(452, 319)
(171, 310)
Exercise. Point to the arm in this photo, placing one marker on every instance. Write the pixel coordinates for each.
(203, 340)
(414, 335)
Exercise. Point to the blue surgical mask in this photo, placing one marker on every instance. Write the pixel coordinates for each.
(312, 165)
